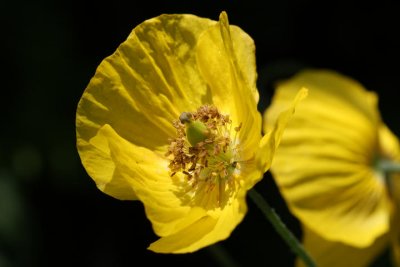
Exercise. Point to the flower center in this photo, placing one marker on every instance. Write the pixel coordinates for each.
(207, 156)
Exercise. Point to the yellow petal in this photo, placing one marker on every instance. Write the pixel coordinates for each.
(188, 240)
(335, 254)
(228, 218)
(252, 171)
(340, 107)
(342, 91)
(146, 173)
(226, 59)
(124, 119)
(390, 150)
(272, 138)
(96, 158)
(388, 144)
(208, 230)
(145, 85)
(141, 89)
(323, 165)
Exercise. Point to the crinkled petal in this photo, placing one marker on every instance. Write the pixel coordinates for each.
(322, 165)
(189, 239)
(99, 165)
(273, 134)
(335, 254)
(229, 217)
(226, 59)
(215, 227)
(253, 171)
(145, 85)
(146, 173)
(141, 89)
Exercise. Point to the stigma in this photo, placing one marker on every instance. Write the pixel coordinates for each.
(205, 153)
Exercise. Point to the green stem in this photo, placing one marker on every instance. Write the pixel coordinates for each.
(281, 228)
(387, 166)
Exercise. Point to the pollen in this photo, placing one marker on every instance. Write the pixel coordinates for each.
(206, 154)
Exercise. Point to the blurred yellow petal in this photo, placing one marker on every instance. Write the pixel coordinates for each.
(337, 107)
(324, 165)
(336, 254)
(389, 144)
(344, 93)
(390, 149)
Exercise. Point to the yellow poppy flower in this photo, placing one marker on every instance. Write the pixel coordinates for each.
(171, 119)
(326, 170)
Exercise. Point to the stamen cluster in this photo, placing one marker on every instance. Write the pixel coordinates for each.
(210, 162)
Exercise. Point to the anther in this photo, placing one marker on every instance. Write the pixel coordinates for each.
(185, 117)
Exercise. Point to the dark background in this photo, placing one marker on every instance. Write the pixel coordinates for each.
(51, 213)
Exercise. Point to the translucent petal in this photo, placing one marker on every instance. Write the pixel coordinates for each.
(253, 170)
(208, 230)
(146, 173)
(335, 254)
(273, 134)
(229, 217)
(389, 144)
(145, 85)
(226, 59)
(188, 240)
(97, 160)
(323, 165)
(140, 90)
